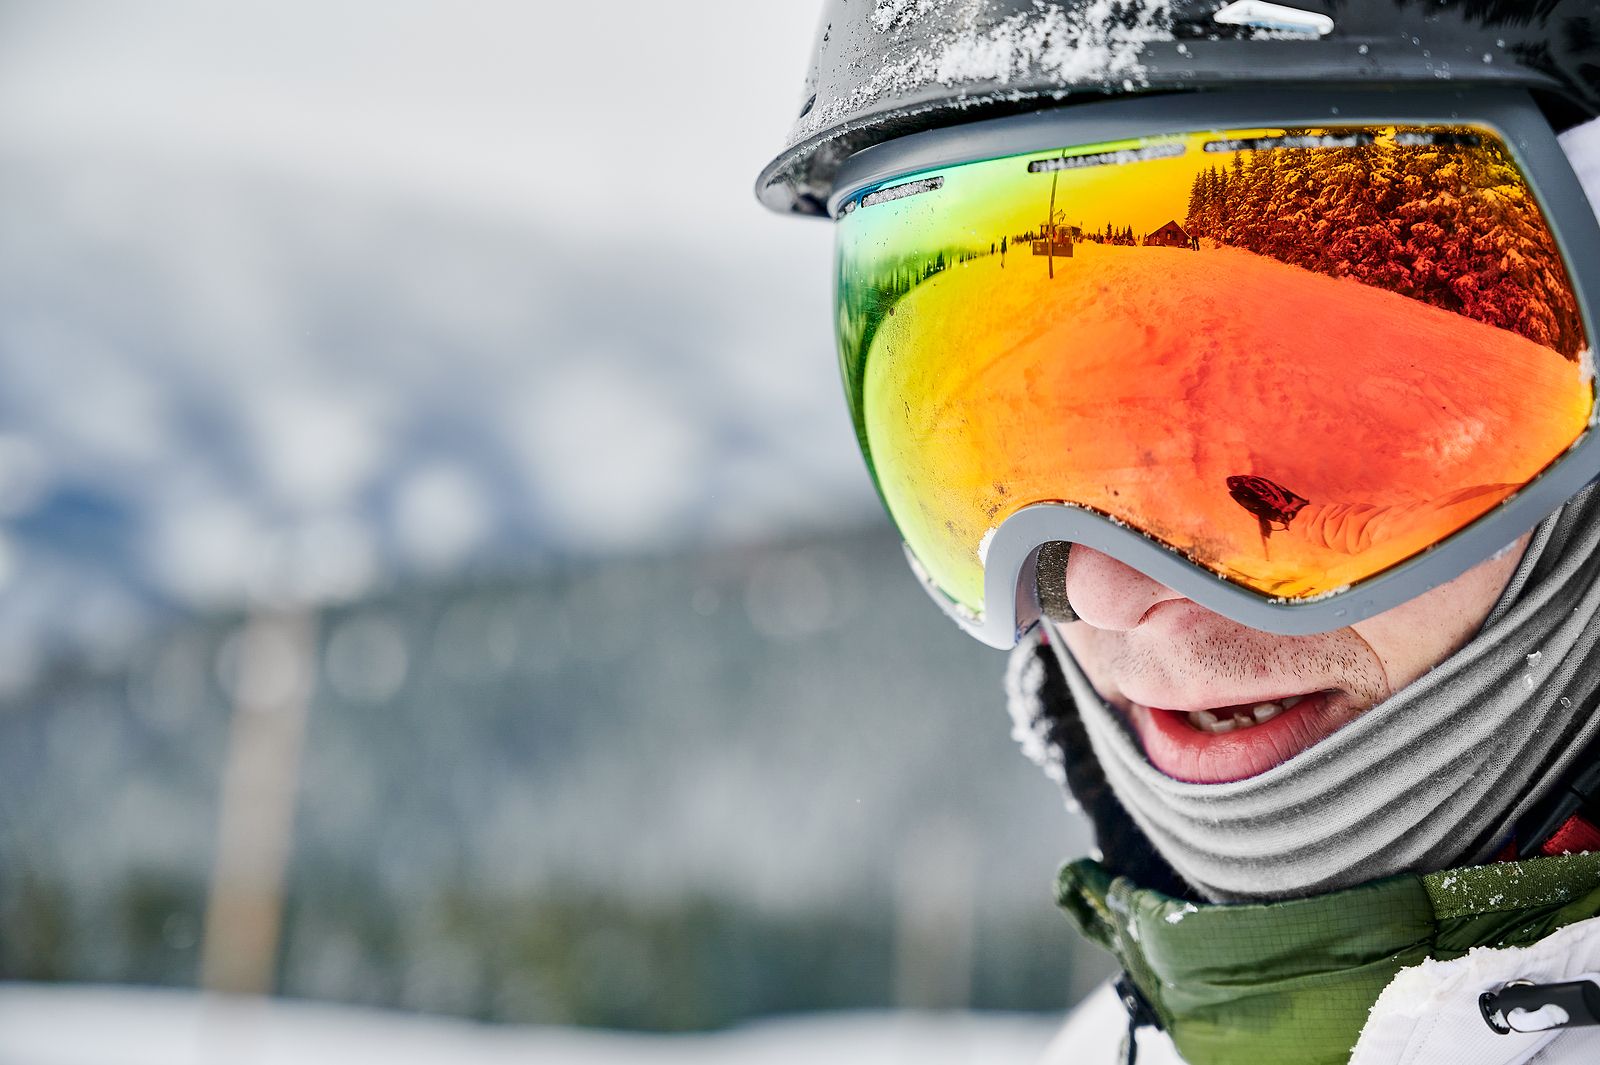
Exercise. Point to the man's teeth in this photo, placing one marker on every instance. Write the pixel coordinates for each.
(1241, 717)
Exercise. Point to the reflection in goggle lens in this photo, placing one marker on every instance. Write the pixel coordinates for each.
(1294, 356)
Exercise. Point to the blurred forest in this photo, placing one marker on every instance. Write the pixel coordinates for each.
(662, 793)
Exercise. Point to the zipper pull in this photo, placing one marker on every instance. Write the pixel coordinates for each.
(1140, 1015)
(1524, 1006)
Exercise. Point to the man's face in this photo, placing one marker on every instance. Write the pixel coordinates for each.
(1212, 700)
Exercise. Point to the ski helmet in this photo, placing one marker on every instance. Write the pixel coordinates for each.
(887, 68)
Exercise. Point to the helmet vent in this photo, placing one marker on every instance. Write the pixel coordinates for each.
(1166, 150)
(895, 192)
(1264, 16)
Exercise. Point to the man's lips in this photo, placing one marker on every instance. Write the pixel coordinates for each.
(1205, 750)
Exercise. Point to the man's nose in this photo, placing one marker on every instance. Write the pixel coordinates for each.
(1107, 594)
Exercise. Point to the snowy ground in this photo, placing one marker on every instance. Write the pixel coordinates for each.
(120, 1026)
(1146, 324)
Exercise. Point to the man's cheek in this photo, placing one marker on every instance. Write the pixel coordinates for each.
(1095, 651)
(1418, 634)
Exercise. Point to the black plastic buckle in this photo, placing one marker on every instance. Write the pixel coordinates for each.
(1578, 1000)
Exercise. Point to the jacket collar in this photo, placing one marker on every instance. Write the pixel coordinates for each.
(1295, 980)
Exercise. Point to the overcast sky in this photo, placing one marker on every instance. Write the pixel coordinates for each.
(556, 109)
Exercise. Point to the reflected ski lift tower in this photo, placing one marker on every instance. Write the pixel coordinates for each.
(1050, 221)
(1054, 227)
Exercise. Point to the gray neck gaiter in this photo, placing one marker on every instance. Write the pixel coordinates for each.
(1430, 778)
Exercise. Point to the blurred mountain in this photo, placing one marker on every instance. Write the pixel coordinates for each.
(225, 387)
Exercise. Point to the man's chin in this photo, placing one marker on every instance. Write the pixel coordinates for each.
(1237, 742)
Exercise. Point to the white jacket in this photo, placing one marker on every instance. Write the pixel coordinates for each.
(1428, 1014)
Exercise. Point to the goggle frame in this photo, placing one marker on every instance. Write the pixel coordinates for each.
(1010, 564)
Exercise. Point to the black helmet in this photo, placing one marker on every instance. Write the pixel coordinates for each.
(885, 68)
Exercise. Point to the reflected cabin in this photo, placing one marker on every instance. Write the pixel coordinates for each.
(1171, 235)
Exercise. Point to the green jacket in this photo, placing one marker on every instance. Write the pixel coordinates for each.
(1293, 981)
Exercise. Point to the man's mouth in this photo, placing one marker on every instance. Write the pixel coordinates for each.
(1228, 719)
(1217, 744)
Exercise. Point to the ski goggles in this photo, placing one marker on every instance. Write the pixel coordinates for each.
(1299, 360)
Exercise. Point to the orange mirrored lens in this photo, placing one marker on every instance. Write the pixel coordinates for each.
(1296, 357)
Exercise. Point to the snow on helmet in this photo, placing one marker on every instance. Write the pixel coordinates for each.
(887, 68)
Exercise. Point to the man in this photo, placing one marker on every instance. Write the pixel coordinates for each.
(1289, 523)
